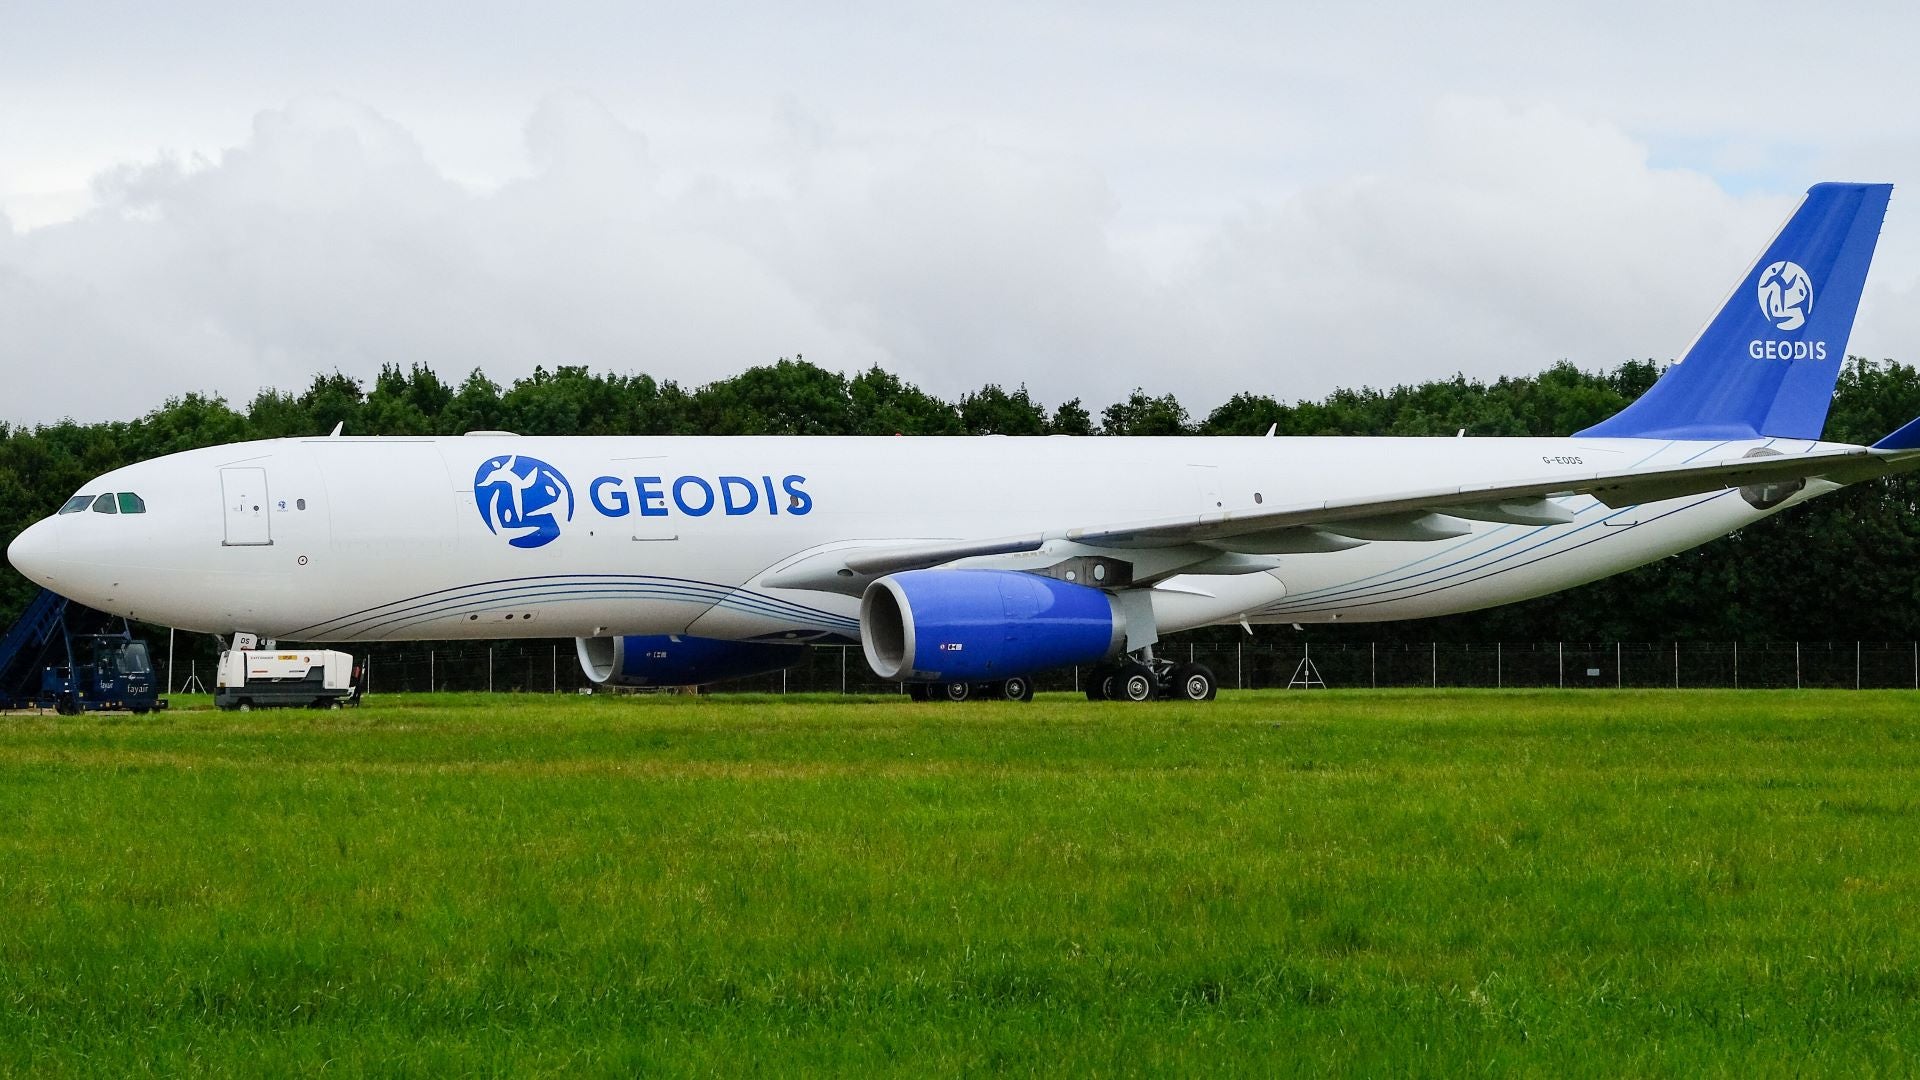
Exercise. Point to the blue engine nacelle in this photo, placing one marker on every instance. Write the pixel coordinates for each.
(678, 660)
(965, 625)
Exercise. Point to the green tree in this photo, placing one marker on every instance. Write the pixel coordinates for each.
(991, 410)
(1243, 414)
(1142, 415)
(332, 400)
(882, 404)
(790, 397)
(185, 423)
(413, 402)
(1070, 418)
(1839, 567)
(474, 407)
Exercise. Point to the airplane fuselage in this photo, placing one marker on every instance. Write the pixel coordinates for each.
(349, 539)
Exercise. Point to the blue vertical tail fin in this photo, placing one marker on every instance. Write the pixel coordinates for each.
(1766, 365)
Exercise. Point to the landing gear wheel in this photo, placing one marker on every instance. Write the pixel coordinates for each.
(1133, 683)
(1193, 682)
(917, 691)
(953, 691)
(1099, 682)
(1018, 688)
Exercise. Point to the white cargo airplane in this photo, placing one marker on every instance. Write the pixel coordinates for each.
(964, 565)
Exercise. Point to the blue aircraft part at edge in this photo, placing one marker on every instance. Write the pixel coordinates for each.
(679, 660)
(1734, 382)
(992, 624)
(1906, 438)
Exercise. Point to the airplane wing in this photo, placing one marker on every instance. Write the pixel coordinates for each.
(1522, 502)
(1419, 515)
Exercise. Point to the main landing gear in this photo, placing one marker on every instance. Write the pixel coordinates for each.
(1141, 678)
(1146, 679)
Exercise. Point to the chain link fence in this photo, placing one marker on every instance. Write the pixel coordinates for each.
(552, 667)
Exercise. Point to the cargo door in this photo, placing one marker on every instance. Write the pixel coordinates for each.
(243, 494)
(390, 499)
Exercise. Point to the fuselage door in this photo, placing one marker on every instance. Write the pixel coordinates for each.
(243, 495)
(1206, 478)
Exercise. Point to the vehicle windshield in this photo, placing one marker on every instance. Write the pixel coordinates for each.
(133, 659)
(77, 504)
(131, 503)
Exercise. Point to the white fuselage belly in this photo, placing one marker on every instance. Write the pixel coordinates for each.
(384, 538)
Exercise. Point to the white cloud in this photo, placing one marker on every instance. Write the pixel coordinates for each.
(1495, 238)
(1507, 239)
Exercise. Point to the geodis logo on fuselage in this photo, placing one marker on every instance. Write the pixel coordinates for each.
(522, 495)
(528, 500)
(1786, 299)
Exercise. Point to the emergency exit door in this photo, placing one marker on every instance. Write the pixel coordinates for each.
(243, 492)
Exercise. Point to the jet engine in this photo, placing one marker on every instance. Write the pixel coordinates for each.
(960, 625)
(678, 660)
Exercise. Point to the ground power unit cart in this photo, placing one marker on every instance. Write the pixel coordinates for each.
(295, 679)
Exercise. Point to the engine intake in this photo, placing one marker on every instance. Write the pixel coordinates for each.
(961, 625)
(678, 660)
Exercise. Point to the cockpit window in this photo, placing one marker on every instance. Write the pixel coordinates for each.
(132, 504)
(104, 505)
(77, 504)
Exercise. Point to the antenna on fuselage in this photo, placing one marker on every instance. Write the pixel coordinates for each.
(335, 433)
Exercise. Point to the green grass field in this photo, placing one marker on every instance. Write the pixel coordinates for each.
(1593, 882)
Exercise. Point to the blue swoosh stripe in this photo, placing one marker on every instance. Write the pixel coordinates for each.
(674, 588)
(1347, 588)
(516, 587)
(718, 593)
(1331, 592)
(455, 607)
(1414, 595)
(496, 603)
(1469, 565)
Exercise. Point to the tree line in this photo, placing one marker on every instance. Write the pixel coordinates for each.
(1844, 567)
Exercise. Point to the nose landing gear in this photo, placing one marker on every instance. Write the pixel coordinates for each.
(1016, 688)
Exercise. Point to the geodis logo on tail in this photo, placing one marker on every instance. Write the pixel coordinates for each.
(1786, 295)
(1786, 299)
(523, 497)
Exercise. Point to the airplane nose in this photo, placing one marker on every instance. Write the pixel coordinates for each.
(32, 553)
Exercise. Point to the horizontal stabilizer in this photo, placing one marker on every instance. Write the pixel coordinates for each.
(1907, 438)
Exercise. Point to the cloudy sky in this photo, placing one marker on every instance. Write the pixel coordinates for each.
(1084, 199)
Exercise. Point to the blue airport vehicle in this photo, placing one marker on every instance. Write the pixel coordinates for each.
(72, 659)
(102, 671)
